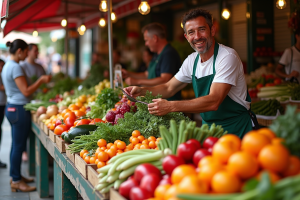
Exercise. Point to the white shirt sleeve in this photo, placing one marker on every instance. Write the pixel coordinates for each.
(286, 57)
(227, 70)
(186, 70)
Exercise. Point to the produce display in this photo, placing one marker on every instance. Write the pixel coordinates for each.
(267, 108)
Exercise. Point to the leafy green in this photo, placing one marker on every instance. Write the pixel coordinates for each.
(104, 101)
(287, 127)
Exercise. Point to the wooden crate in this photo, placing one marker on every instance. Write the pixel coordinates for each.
(70, 155)
(82, 166)
(93, 175)
(60, 144)
(41, 124)
(52, 136)
(46, 130)
(115, 195)
(294, 104)
(264, 122)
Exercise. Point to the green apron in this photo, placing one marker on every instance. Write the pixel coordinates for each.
(232, 116)
(152, 74)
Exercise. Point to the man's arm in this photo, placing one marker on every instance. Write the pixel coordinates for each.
(280, 72)
(211, 102)
(165, 77)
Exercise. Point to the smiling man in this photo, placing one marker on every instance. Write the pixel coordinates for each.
(216, 73)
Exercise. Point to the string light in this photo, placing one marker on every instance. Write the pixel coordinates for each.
(281, 4)
(144, 7)
(225, 14)
(102, 22)
(103, 6)
(113, 17)
(35, 33)
(64, 23)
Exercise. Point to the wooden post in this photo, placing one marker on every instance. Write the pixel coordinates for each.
(42, 178)
(31, 153)
(64, 189)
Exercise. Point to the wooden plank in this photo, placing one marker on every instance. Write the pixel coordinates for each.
(41, 125)
(60, 144)
(31, 154)
(93, 175)
(70, 155)
(115, 195)
(81, 165)
(52, 136)
(46, 130)
(42, 179)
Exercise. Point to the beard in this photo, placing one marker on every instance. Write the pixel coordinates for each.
(208, 43)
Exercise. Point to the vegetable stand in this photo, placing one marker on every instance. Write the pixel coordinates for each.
(67, 179)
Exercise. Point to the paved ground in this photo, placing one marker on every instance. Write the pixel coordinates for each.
(5, 191)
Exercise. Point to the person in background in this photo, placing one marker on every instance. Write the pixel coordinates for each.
(147, 57)
(18, 92)
(117, 59)
(289, 63)
(164, 64)
(32, 69)
(2, 106)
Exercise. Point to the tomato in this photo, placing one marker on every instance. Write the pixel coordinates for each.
(165, 181)
(149, 183)
(103, 156)
(277, 81)
(121, 145)
(126, 186)
(199, 154)
(79, 113)
(83, 151)
(136, 133)
(70, 114)
(181, 171)
(138, 193)
(69, 121)
(58, 122)
(293, 167)
(96, 120)
(60, 129)
(258, 86)
(83, 121)
(270, 84)
(269, 76)
(171, 162)
(101, 143)
(186, 151)
(195, 142)
(210, 142)
(144, 169)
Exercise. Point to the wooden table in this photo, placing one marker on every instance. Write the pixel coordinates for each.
(67, 179)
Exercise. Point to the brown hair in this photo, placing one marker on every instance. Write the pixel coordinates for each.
(197, 12)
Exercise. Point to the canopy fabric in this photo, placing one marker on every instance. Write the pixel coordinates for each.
(46, 15)
(4, 6)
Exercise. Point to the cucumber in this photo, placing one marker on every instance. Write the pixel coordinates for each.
(80, 130)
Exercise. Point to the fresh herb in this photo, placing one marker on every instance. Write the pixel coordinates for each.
(287, 127)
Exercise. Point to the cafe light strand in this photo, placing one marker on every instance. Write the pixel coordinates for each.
(281, 4)
(144, 7)
(102, 22)
(103, 6)
(64, 23)
(225, 14)
(35, 33)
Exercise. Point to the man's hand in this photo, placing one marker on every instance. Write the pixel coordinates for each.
(159, 107)
(131, 81)
(133, 91)
(293, 74)
(46, 78)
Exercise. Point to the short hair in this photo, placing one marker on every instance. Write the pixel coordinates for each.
(31, 45)
(197, 12)
(15, 45)
(2, 61)
(155, 29)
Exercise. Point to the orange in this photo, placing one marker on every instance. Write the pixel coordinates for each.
(135, 141)
(121, 145)
(96, 161)
(277, 141)
(243, 164)
(232, 138)
(84, 155)
(114, 147)
(92, 160)
(207, 160)
(160, 191)
(64, 112)
(79, 113)
(101, 164)
(103, 148)
(116, 142)
(109, 145)
(152, 144)
(73, 107)
(171, 192)
(101, 143)
(87, 159)
(192, 185)
(225, 182)
(254, 142)
(125, 150)
(79, 104)
(130, 146)
(207, 172)
(136, 133)
(274, 177)
(130, 139)
(181, 171)
(141, 138)
(83, 151)
(267, 132)
(293, 167)
(223, 150)
(144, 146)
(111, 152)
(145, 141)
(103, 156)
(83, 109)
(274, 158)
(151, 138)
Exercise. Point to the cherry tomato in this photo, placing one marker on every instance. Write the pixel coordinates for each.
(60, 129)
(69, 121)
(83, 121)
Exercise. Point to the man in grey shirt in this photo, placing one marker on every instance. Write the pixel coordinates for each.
(32, 69)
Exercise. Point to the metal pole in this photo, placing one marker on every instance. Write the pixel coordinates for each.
(66, 39)
(110, 42)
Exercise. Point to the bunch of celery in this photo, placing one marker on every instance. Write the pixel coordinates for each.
(279, 92)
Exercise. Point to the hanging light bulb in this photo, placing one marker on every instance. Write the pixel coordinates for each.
(225, 14)
(102, 22)
(54, 39)
(113, 17)
(35, 33)
(281, 4)
(82, 28)
(64, 23)
(103, 6)
(144, 7)
(80, 32)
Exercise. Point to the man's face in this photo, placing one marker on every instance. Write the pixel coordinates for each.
(34, 52)
(150, 41)
(199, 35)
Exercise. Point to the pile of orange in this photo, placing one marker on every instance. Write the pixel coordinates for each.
(232, 163)
(137, 141)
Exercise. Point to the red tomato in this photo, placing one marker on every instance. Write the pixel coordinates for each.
(150, 182)
(270, 84)
(58, 122)
(92, 122)
(277, 81)
(199, 154)
(145, 169)
(195, 142)
(83, 121)
(60, 129)
(69, 121)
(138, 193)
(186, 151)
(210, 142)
(258, 86)
(126, 186)
(70, 114)
(171, 162)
